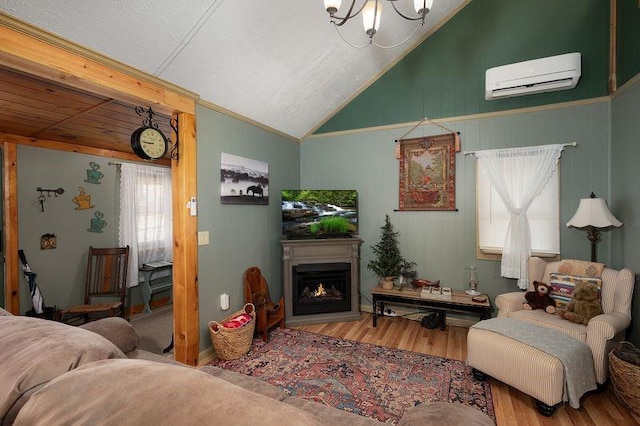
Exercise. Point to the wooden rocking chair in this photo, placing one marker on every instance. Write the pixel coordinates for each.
(256, 291)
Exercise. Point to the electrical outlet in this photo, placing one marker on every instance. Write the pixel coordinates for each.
(203, 238)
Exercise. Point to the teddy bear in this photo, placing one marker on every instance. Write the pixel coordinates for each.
(540, 298)
(260, 300)
(584, 305)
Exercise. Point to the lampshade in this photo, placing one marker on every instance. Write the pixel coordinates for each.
(371, 17)
(593, 212)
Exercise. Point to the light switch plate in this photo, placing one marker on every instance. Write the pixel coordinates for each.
(203, 238)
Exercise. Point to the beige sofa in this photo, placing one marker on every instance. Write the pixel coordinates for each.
(52, 373)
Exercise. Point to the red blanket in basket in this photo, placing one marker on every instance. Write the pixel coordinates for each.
(237, 321)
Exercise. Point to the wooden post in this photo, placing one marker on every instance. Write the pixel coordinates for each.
(10, 227)
(185, 249)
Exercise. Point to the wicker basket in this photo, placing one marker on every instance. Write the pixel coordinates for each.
(625, 378)
(232, 343)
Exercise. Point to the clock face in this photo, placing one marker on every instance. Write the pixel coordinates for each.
(149, 143)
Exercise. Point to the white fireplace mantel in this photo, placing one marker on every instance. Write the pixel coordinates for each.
(330, 250)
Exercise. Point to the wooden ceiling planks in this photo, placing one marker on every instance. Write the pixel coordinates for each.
(38, 108)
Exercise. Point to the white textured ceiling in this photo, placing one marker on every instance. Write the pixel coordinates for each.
(279, 63)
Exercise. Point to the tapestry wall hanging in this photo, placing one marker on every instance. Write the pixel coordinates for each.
(428, 173)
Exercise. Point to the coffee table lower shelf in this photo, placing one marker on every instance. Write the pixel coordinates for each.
(460, 302)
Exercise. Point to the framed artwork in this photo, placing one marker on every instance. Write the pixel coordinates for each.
(48, 242)
(428, 173)
(243, 181)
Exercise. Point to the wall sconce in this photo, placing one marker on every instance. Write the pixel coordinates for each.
(594, 215)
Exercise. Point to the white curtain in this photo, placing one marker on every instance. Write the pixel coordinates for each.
(529, 168)
(145, 215)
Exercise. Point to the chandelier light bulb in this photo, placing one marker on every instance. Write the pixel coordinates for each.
(371, 17)
(422, 7)
(332, 6)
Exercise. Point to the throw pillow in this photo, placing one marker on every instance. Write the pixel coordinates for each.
(580, 268)
(117, 330)
(564, 285)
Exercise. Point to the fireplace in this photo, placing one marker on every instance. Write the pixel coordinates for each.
(321, 280)
(321, 287)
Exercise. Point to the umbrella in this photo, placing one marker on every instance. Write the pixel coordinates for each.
(36, 295)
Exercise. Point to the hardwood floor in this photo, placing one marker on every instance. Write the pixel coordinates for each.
(512, 406)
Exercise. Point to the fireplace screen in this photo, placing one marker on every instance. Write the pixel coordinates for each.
(321, 288)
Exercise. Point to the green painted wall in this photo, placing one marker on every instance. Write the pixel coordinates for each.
(628, 40)
(61, 270)
(444, 76)
(625, 202)
(443, 243)
(241, 236)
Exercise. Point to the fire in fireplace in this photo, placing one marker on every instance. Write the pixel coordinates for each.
(321, 288)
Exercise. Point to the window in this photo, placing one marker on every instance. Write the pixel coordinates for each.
(145, 215)
(153, 218)
(493, 217)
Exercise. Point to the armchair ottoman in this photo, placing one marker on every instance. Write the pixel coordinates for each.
(533, 371)
(517, 364)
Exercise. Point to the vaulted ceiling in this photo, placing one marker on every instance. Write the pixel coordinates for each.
(280, 64)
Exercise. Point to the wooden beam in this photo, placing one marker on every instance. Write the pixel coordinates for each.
(185, 249)
(45, 58)
(10, 226)
(81, 149)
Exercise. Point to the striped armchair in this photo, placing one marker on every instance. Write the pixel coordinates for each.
(601, 332)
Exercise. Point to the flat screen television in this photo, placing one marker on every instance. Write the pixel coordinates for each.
(314, 213)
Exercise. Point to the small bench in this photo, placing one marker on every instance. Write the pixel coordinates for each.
(151, 285)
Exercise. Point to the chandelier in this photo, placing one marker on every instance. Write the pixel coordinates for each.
(371, 12)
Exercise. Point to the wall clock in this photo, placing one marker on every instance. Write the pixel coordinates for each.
(149, 143)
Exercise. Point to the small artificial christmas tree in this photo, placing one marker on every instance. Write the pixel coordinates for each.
(388, 262)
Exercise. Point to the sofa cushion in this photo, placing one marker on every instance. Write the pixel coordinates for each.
(116, 330)
(34, 351)
(541, 318)
(249, 383)
(329, 414)
(127, 391)
(444, 414)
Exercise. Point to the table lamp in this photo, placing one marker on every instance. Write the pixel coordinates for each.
(594, 215)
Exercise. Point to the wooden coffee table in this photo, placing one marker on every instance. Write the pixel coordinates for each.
(460, 302)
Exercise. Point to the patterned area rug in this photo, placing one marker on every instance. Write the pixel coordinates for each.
(365, 379)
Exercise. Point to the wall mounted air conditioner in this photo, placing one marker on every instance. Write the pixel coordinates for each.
(536, 76)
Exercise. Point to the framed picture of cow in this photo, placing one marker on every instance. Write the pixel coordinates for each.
(243, 180)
